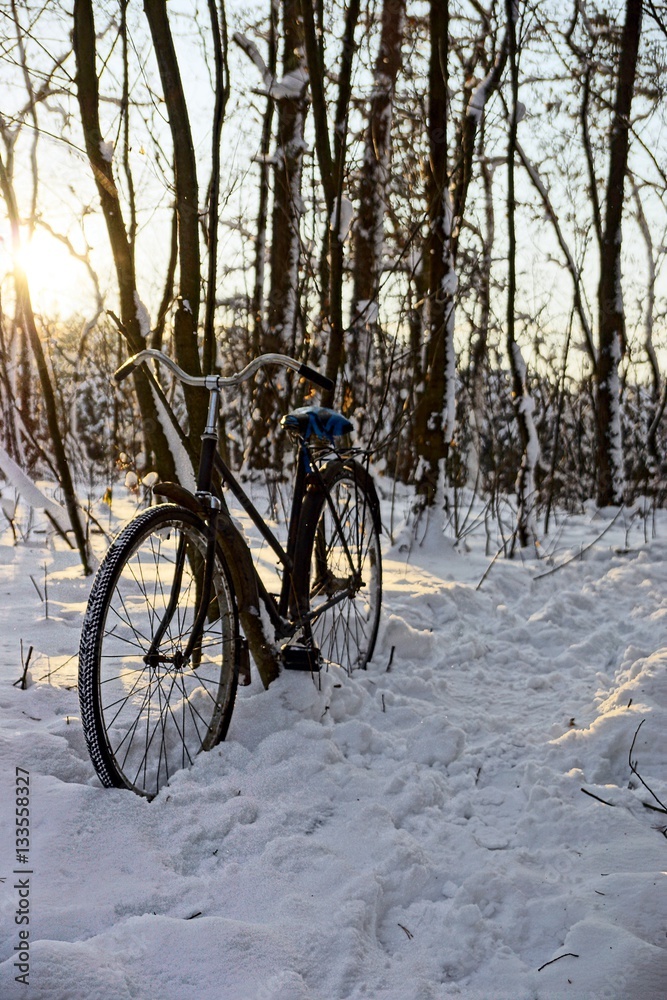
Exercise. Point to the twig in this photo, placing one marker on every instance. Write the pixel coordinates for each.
(566, 954)
(56, 527)
(489, 567)
(103, 531)
(60, 666)
(604, 801)
(586, 548)
(22, 681)
(121, 326)
(663, 807)
(409, 933)
(391, 659)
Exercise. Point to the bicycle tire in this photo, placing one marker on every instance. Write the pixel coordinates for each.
(345, 632)
(143, 722)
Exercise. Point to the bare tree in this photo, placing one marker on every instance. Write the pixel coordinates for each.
(275, 332)
(187, 207)
(221, 86)
(122, 246)
(27, 319)
(331, 157)
(521, 398)
(435, 415)
(368, 236)
(611, 322)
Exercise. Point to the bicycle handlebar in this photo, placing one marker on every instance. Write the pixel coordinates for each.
(221, 381)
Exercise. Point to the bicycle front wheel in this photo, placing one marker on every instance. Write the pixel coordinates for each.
(338, 566)
(146, 710)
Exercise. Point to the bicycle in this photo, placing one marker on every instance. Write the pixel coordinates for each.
(176, 605)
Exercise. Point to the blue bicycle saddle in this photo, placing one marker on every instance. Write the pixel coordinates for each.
(317, 420)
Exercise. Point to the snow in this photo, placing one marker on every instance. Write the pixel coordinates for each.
(30, 492)
(615, 428)
(143, 316)
(344, 218)
(184, 470)
(478, 98)
(106, 150)
(418, 830)
(291, 87)
(253, 54)
(449, 284)
(526, 406)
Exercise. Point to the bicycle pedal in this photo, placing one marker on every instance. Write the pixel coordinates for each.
(244, 663)
(301, 658)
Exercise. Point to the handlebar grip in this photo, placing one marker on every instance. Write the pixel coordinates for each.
(316, 377)
(126, 368)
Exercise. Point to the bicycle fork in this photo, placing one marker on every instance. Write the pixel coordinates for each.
(181, 658)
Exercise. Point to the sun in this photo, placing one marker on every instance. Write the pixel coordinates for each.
(57, 280)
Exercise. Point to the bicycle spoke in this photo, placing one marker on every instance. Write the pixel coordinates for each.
(157, 715)
(132, 729)
(127, 622)
(345, 574)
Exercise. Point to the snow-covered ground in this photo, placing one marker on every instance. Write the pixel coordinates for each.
(413, 832)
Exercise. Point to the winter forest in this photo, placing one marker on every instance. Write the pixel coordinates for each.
(455, 210)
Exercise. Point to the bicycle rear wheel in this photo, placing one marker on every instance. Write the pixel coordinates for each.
(146, 715)
(338, 565)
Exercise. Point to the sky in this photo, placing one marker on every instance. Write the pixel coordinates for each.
(68, 200)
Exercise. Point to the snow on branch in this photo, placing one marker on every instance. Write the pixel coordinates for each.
(30, 492)
(253, 54)
(344, 213)
(290, 87)
(184, 469)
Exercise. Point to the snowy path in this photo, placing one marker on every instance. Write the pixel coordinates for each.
(413, 833)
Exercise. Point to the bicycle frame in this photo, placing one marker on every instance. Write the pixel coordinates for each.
(277, 611)
(178, 603)
(212, 507)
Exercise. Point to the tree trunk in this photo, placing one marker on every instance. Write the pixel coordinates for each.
(434, 419)
(610, 295)
(657, 390)
(275, 333)
(332, 169)
(479, 346)
(285, 250)
(121, 247)
(9, 438)
(257, 307)
(222, 90)
(521, 398)
(368, 245)
(27, 319)
(287, 205)
(187, 206)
